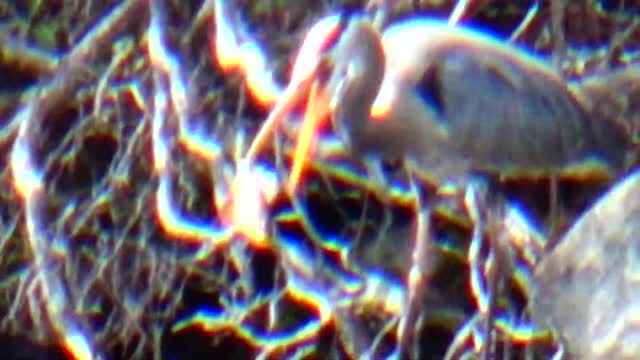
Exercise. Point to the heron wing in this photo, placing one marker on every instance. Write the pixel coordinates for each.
(502, 113)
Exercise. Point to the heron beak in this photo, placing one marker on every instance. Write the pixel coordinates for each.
(304, 72)
(292, 95)
(316, 111)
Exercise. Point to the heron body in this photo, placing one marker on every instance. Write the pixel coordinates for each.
(436, 92)
(452, 100)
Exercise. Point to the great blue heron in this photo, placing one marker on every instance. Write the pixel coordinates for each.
(450, 99)
(435, 92)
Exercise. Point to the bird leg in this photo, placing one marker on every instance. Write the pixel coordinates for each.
(419, 273)
(475, 199)
(415, 280)
(553, 207)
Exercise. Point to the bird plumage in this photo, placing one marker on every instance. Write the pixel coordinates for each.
(448, 92)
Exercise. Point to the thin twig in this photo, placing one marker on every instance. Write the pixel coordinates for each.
(66, 75)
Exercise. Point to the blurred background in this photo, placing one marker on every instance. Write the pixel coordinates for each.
(120, 253)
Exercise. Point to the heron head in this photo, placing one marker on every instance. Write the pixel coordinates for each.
(356, 71)
(343, 82)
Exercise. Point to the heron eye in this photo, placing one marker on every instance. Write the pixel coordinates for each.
(430, 89)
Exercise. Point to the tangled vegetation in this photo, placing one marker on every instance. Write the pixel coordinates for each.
(115, 243)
